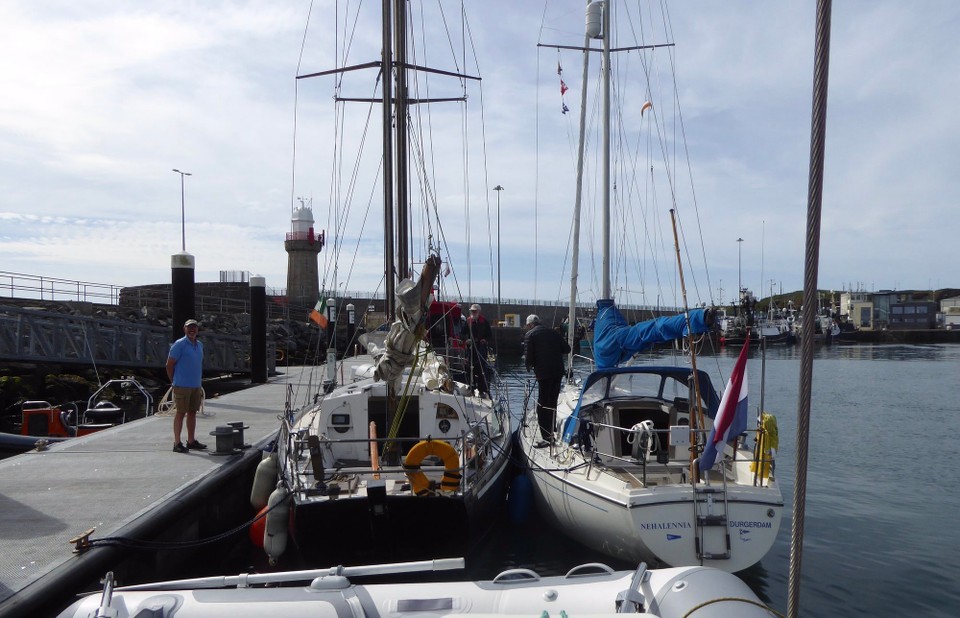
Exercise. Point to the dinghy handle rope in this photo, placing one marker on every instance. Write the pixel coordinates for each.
(119, 541)
(733, 599)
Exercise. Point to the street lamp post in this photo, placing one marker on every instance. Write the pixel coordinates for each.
(739, 282)
(498, 189)
(183, 224)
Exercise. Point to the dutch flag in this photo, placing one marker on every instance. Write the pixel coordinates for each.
(731, 419)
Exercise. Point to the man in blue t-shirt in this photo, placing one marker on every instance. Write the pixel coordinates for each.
(185, 370)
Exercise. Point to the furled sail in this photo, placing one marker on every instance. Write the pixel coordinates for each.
(407, 329)
(615, 341)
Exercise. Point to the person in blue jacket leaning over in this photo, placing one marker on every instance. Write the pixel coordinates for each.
(185, 370)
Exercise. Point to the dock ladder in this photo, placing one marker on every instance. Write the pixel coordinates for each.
(710, 512)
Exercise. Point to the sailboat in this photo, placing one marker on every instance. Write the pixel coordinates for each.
(393, 459)
(622, 471)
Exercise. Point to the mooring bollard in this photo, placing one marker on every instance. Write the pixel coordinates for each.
(238, 426)
(225, 438)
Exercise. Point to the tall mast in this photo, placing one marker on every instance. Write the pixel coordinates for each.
(605, 290)
(575, 258)
(402, 197)
(386, 74)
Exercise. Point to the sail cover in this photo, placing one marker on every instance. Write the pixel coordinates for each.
(615, 341)
(406, 331)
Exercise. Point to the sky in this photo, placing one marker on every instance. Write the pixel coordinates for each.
(102, 100)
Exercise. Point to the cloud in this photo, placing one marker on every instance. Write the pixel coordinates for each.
(105, 99)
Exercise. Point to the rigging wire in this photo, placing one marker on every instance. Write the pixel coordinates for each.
(468, 35)
(296, 93)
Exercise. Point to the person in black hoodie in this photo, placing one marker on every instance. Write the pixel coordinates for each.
(544, 349)
(476, 334)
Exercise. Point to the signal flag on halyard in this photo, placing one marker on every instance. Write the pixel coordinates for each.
(731, 418)
(319, 313)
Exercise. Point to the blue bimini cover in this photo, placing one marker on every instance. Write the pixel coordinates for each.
(615, 341)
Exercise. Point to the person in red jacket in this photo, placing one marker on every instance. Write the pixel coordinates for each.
(477, 333)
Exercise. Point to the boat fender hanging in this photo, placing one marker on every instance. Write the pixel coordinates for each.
(437, 448)
(275, 532)
(264, 480)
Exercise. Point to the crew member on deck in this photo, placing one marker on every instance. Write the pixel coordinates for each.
(477, 333)
(544, 349)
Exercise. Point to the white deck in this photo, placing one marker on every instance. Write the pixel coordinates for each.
(109, 479)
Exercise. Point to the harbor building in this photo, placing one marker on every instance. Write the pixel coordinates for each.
(950, 310)
(890, 310)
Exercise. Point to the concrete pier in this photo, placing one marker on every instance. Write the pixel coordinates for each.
(125, 482)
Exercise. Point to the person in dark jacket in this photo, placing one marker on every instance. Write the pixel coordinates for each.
(476, 334)
(544, 349)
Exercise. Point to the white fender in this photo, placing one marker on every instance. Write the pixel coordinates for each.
(264, 480)
(275, 532)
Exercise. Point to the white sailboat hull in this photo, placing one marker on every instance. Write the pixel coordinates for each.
(608, 502)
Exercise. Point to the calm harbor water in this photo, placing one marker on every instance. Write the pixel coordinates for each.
(883, 492)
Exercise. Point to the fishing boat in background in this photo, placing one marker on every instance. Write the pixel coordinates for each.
(626, 470)
(392, 458)
(771, 327)
(585, 590)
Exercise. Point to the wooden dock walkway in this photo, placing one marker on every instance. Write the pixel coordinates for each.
(115, 481)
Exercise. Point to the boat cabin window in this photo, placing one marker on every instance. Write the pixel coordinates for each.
(445, 411)
(340, 422)
(595, 392)
(635, 385)
(673, 389)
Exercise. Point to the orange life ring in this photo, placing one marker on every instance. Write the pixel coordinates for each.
(437, 448)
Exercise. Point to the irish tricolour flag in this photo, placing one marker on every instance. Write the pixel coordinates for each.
(319, 313)
(731, 419)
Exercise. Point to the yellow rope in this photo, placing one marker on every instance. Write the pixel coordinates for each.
(405, 396)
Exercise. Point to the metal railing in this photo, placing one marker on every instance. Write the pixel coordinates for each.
(660, 443)
(21, 285)
(27, 286)
(472, 447)
(29, 335)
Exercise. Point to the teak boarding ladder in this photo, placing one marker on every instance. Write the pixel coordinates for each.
(710, 511)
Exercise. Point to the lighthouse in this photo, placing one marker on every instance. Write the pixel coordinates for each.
(302, 245)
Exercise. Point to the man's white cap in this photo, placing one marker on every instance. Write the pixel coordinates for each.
(474, 307)
(532, 319)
